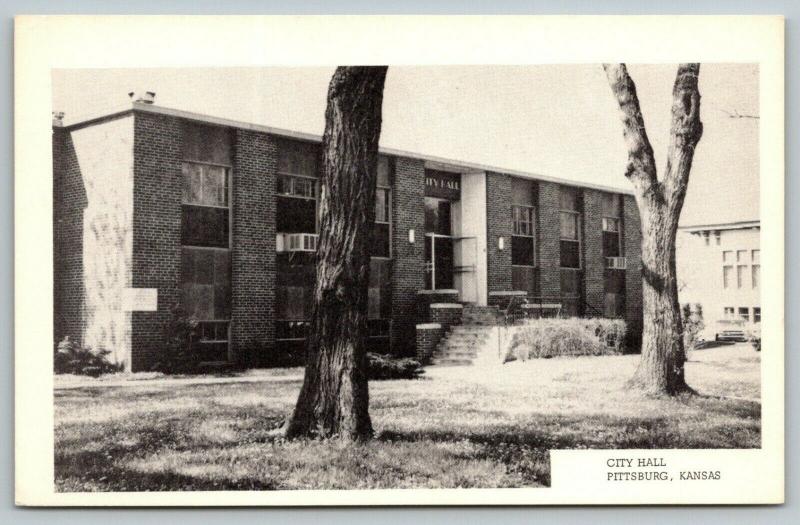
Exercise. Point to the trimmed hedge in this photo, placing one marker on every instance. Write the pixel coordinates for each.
(544, 338)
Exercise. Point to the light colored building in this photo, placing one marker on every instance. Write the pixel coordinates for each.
(719, 268)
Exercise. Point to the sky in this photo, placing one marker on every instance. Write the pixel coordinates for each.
(555, 120)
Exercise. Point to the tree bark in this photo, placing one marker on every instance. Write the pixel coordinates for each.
(661, 368)
(334, 400)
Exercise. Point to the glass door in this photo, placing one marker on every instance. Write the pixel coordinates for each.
(438, 244)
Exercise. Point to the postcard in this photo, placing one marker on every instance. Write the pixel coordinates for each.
(399, 260)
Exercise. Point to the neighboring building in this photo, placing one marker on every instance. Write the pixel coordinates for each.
(719, 267)
(156, 208)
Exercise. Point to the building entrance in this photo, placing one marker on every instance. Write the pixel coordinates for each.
(438, 244)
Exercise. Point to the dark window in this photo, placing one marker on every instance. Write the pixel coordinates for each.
(570, 227)
(570, 254)
(206, 283)
(205, 212)
(611, 210)
(380, 245)
(294, 292)
(570, 293)
(295, 215)
(379, 301)
(522, 251)
(204, 226)
(381, 231)
(437, 216)
(523, 238)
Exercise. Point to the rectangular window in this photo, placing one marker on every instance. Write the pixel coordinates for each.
(570, 227)
(611, 210)
(756, 276)
(206, 278)
(727, 275)
(728, 313)
(756, 314)
(741, 256)
(717, 238)
(744, 313)
(205, 213)
(741, 271)
(205, 185)
(571, 293)
(756, 254)
(296, 204)
(523, 240)
(381, 230)
(705, 238)
(727, 256)
(297, 186)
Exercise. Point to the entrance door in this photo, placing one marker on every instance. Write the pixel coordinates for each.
(438, 244)
(438, 262)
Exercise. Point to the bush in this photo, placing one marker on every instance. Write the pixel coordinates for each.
(180, 334)
(544, 338)
(692, 325)
(386, 367)
(72, 358)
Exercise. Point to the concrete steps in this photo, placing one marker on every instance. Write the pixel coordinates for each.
(464, 344)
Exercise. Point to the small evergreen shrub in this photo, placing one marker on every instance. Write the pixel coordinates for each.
(386, 367)
(179, 334)
(544, 338)
(72, 358)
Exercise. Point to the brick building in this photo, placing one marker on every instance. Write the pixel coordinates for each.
(156, 208)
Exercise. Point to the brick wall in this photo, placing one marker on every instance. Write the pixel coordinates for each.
(548, 233)
(427, 337)
(425, 298)
(594, 262)
(446, 314)
(253, 254)
(408, 263)
(69, 201)
(157, 227)
(498, 224)
(632, 238)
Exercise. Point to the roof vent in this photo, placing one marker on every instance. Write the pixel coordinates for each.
(148, 97)
(58, 118)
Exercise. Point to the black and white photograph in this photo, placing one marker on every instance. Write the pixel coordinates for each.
(360, 277)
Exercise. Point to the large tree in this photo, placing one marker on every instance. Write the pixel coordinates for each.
(661, 368)
(334, 400)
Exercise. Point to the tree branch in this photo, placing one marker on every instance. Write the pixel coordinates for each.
(685, 133)
(641, 168)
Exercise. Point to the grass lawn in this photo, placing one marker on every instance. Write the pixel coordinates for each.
(457, 427)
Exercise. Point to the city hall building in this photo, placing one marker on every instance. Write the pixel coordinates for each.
(157, 209)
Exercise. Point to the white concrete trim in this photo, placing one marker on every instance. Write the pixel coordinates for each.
(429, 326)
(508, 293)
(449, 291)
(741, 225)
(446, 305)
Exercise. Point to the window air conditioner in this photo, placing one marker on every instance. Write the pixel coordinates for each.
(616, 263)
(296, 242)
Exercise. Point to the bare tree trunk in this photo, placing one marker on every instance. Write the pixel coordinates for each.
(334, 400)
(661, 369)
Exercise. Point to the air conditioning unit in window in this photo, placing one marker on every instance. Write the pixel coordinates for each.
(616, 263)
(296, 242)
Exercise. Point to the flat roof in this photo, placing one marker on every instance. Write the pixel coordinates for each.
(431, 161)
